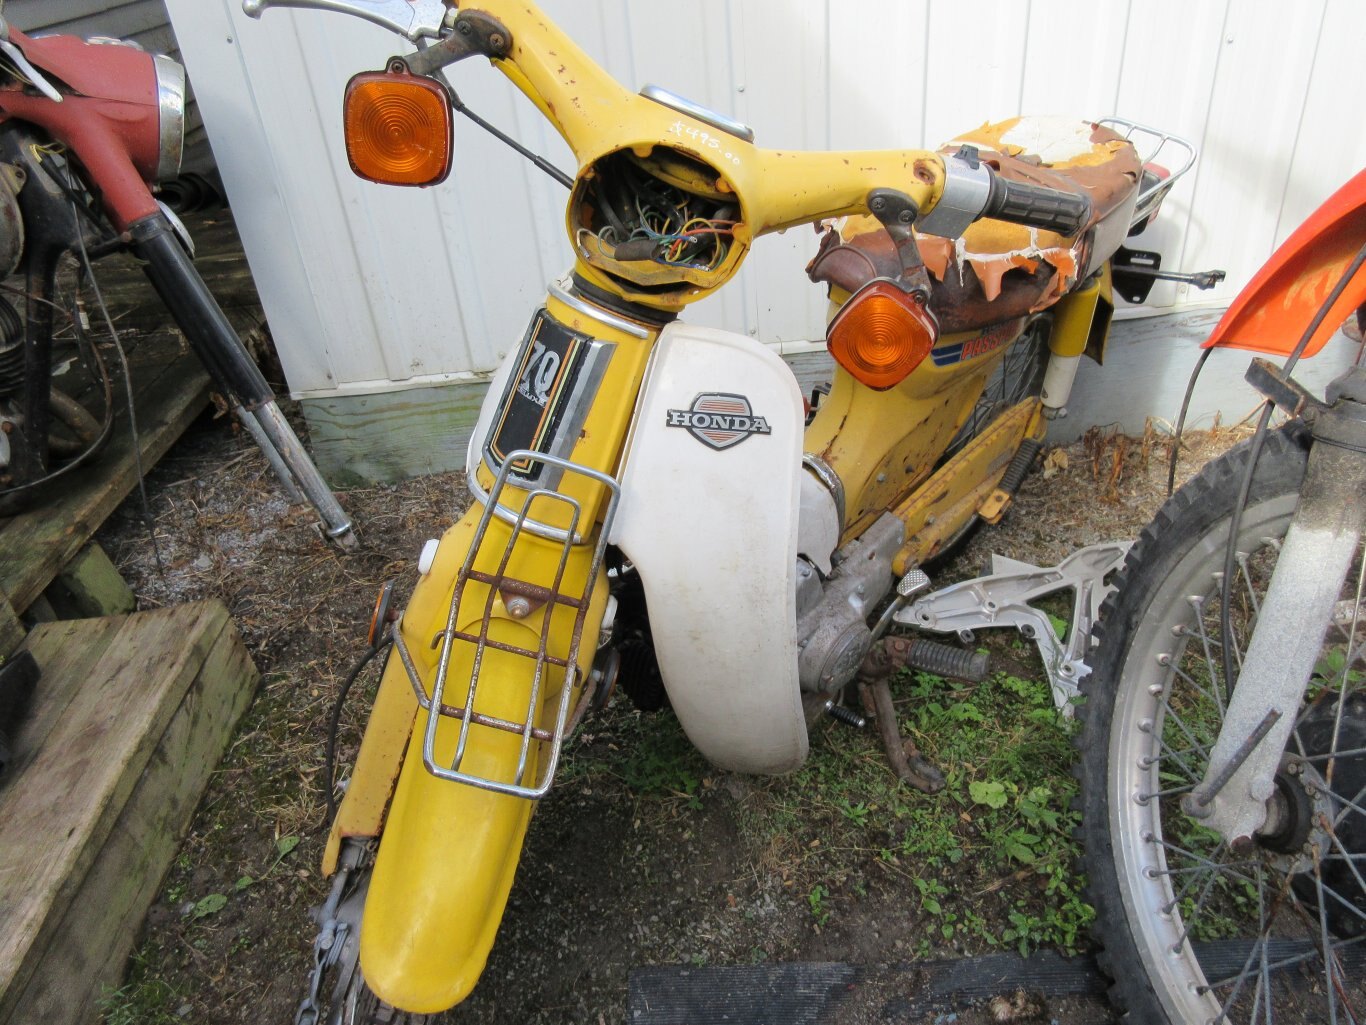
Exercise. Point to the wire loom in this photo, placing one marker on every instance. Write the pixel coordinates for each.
(647, 218)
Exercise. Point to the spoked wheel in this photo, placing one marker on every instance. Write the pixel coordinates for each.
(359, 1006)
(344, 997)
(1019, 377)
(1194, 931)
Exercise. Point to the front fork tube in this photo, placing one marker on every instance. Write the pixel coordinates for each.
(233, 371)
(1314, 559)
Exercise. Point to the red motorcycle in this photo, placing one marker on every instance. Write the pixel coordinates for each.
(87, 129)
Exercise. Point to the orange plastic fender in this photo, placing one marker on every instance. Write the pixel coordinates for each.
(1272, 312)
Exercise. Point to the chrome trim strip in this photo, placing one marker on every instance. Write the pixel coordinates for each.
(170, 115)
(539, 529)
(825, 473)
(695, 110)
(561, 291)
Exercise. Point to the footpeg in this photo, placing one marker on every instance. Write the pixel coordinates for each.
(891, 653)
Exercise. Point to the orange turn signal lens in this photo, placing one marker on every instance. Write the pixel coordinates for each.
(881, 334)
(398, 128)
(381, 616)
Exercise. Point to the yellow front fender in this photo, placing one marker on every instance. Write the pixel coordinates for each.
(446, 860)
(448, 851)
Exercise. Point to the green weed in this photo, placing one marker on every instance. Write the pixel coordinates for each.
(141, 1001)
(816, 902)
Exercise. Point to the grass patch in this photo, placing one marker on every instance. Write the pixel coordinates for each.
(988, 862)
(142, 1000)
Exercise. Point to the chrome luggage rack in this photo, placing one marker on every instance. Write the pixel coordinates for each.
(537, 596)
(1150, 143)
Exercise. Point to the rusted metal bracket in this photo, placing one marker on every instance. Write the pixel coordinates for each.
(886, 657)
(897, 213)
(908, 763)
(476, 33)
(1284, 391)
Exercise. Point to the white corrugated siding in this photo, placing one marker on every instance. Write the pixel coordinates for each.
(370, 288)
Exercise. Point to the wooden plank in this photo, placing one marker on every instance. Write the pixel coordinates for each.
(364, 439)
(36, 545)
(90, 585)
(91, 944)
(11, 629)
(66, 654)
(74, 789)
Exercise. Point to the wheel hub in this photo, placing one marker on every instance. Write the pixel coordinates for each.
(1290, 811)
(1319, 826)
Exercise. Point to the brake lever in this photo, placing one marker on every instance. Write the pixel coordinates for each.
(414, 19)
(25, 68)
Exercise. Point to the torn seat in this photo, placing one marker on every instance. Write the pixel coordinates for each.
(999, 270)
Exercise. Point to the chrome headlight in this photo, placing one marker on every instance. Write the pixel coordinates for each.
(171, 107)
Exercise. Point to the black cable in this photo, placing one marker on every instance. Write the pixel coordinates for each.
(458, 104)
(1181, 420)
(334, 725)
(82, 206)
(1258, 440)
(106, 428)
(545, 165)
(127, 385)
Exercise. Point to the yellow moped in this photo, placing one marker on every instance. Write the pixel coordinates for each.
(650, 500)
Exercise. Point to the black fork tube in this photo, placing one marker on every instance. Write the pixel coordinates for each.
(234, 372)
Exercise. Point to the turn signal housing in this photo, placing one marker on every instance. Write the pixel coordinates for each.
(881, 334)
(398, 128)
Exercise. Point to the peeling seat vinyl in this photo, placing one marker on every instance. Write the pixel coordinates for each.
(997, 269)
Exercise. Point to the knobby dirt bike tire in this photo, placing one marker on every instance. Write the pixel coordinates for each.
(1154, 895)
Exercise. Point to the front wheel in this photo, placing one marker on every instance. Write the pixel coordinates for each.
(344, 997)
(1193, 931)
(359, 1006)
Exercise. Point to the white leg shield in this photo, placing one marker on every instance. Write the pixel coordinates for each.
(708, 515)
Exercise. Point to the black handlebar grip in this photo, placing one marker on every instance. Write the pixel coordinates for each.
(1036, 206)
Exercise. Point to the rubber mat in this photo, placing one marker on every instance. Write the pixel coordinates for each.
(834, 993)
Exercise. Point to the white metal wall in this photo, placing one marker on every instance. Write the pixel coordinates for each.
(371, 288)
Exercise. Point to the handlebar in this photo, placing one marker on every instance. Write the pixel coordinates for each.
(415, 19)
(1036, 206)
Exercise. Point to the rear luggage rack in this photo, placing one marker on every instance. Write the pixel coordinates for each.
(1150, 142)
(549, 598)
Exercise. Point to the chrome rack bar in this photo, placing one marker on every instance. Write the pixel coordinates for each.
(553, 598)
(1154, 140)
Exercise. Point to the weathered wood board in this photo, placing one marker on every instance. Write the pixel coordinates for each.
(90, 585)
(390, 436)
(132, 716)
(171, 388)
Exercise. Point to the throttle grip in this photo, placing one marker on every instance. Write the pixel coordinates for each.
(1036, 206)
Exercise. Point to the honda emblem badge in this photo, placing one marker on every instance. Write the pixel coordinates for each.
(719, 419)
